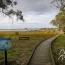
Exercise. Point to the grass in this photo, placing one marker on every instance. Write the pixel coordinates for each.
(57, 45)
(22, 49)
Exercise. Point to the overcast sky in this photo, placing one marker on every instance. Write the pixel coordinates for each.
(37, 14)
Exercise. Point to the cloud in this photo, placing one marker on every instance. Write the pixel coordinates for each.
(25, 25)
(36, 5)
(33, 17)
(32, 20)
(37, 14)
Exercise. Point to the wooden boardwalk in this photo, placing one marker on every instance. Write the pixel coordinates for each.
(42, 54)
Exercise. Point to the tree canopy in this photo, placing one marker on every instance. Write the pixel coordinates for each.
(6, 7)
(59, 4)
(59, 20)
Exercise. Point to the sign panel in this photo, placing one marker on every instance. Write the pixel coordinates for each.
(23, 38)
(5, 44)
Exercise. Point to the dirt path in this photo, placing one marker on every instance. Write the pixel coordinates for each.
(42, 54)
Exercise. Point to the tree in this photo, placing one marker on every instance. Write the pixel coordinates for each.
(59, 20)
(59, 4)
(5, 8)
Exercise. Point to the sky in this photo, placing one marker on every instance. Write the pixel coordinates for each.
(36, 13)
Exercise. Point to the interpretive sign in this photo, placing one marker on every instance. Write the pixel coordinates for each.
(5, 44)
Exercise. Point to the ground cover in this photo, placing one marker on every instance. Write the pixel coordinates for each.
(58, 49)
(22, 49)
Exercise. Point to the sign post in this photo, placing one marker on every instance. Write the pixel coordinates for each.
(5, 57)
(5, 45)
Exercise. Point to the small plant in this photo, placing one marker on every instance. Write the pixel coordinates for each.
(61, 55)
(16, 33)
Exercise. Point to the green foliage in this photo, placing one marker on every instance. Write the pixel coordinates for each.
(22, 49)
(59, 4)
(5, 8)
(59, 20)
(5, 3)
(16, 33)
(57, 45)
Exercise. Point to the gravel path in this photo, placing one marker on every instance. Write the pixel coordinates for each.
(42, 54)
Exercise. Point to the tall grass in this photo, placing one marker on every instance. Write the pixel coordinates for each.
(22, 49)
(57, 45)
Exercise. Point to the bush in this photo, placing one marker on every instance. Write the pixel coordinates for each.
(16, 33)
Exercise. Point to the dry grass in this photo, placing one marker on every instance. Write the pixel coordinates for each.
(22, 49)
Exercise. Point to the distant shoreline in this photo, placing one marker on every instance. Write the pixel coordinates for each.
(28, 29)
(11, 30)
